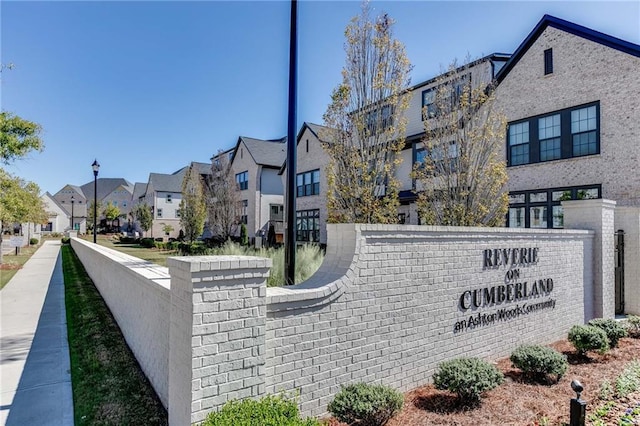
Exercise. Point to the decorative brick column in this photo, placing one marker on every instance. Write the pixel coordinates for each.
(217, 333)
(596, 215)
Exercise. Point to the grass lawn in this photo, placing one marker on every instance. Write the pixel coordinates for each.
(12, 263)
(109, 388)
(156, 256)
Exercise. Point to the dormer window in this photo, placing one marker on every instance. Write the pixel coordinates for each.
(548, 61)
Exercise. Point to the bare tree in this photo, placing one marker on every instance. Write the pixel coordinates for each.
(223, 197)
(367, 123)
(461, 173)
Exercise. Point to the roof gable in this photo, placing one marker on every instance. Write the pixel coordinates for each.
(571, 28)
(269, 153)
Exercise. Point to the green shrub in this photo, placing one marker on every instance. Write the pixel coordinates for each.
(366, 404)
(147, 242)
(467, 377)
(614, 329)
(34, 241)
(633, 325)
(128, 240)
(588, 338)
(271, 410)
(244, 237)
(539, 362)
(65, 240)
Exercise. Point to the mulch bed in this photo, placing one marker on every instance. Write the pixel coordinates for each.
(517, 402)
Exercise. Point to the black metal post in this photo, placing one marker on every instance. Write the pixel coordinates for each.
(290, 237)
(72, 212)
(95, 167)
(577, 407)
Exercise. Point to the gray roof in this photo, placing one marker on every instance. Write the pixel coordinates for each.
(139, 189)
(271, 153)
(105, 187)
(167, 183)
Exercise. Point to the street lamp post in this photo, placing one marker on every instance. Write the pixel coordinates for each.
(95, 166)
(72, 200)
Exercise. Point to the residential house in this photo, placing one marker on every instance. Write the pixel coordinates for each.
(572, 99)
(256, 163)
(59, 219)
(163, 193)
(116, 191)
(311, 184)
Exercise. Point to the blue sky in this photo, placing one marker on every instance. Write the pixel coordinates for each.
(150, 86)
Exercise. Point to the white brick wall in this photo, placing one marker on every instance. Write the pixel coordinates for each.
(217, 333)
(384, 308)
(392, 319)
(137, 293)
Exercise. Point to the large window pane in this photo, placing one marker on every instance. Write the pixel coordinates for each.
(558, 216)
(584, 144)
(538, 217)
(516, 217)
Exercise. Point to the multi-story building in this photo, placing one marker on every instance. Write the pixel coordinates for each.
(163, 194)
(256, 163)
(572, 99)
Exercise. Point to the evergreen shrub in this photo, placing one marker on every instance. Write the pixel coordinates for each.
(588, 338)
(614, 329)
(366, 404)
(467, 377)
(539, 362)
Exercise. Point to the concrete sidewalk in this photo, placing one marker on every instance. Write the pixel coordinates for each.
(35, 379)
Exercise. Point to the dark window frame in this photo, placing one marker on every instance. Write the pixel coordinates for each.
(566, 136)
(308, 225)
(306, 184)
(548, 61)
(242, 179)
(573, 193)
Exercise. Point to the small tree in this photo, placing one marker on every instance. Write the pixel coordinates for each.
(193, 210)
(98, 209)
(222, 197)
(167, 229)
(19, 201)
(367, 124)
(111, 212)
(142, 213)
(461, 175)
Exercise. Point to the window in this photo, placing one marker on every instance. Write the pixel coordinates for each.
(308, 225)
(379, 120)
(276, 212)
(584, 126)
(542, 208)
(244, 207)
(159, 213)
(178, 213)
(402, 218)
(519, 143)
(124, 204)
(308, 183)
(548, 61)
(168, 198)
(445, 96)
(242, 179)
(572, 132)
(549, 134)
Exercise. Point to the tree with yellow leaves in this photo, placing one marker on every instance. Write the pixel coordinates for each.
(366, 124)
(460, 171)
